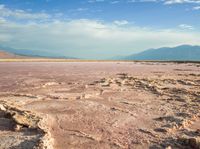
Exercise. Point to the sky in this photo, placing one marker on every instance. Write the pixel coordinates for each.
(98, 29)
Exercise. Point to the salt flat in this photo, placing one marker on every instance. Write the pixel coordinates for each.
(134, 105)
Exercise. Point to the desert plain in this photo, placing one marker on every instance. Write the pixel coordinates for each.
(99, 105)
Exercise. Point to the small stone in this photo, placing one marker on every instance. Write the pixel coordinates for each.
(169, 147)
(18, 127)
(160, 130)
(2, 107)
(194, 142)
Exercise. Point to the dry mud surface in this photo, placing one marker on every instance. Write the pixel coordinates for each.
(107, 105)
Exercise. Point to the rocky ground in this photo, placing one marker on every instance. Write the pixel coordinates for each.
(124, 105)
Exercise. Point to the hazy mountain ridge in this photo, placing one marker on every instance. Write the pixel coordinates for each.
(182, 53)
(33, 53)
(179, 53)
(7, 55)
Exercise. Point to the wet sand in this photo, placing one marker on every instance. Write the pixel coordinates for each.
(106, 105)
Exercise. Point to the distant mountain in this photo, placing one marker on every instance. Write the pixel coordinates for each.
(179, 53)
(33, 53)
(7, 55)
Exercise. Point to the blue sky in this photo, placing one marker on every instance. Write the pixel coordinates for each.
(98, 28)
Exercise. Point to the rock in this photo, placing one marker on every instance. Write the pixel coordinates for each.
(18, 127)
(169, 147)
(193, 142)
(2, 107)
(160, 130)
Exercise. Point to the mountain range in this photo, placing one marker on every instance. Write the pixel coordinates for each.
(179, 53)
(33, 53)
(8, 55)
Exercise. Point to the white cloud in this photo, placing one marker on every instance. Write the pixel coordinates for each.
(2, 20)
(167, 2)
(181, 1)
(131, 1)
(186, 26)
(79, 9)
(196, 8)
(21, 14)
(93, 1)
(114, 2)
(134, 1)
(148, 0)
(121, 22)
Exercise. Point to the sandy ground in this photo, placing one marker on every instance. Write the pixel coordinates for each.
(105, 105)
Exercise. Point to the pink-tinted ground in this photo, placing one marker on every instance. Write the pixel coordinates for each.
(103, 105)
